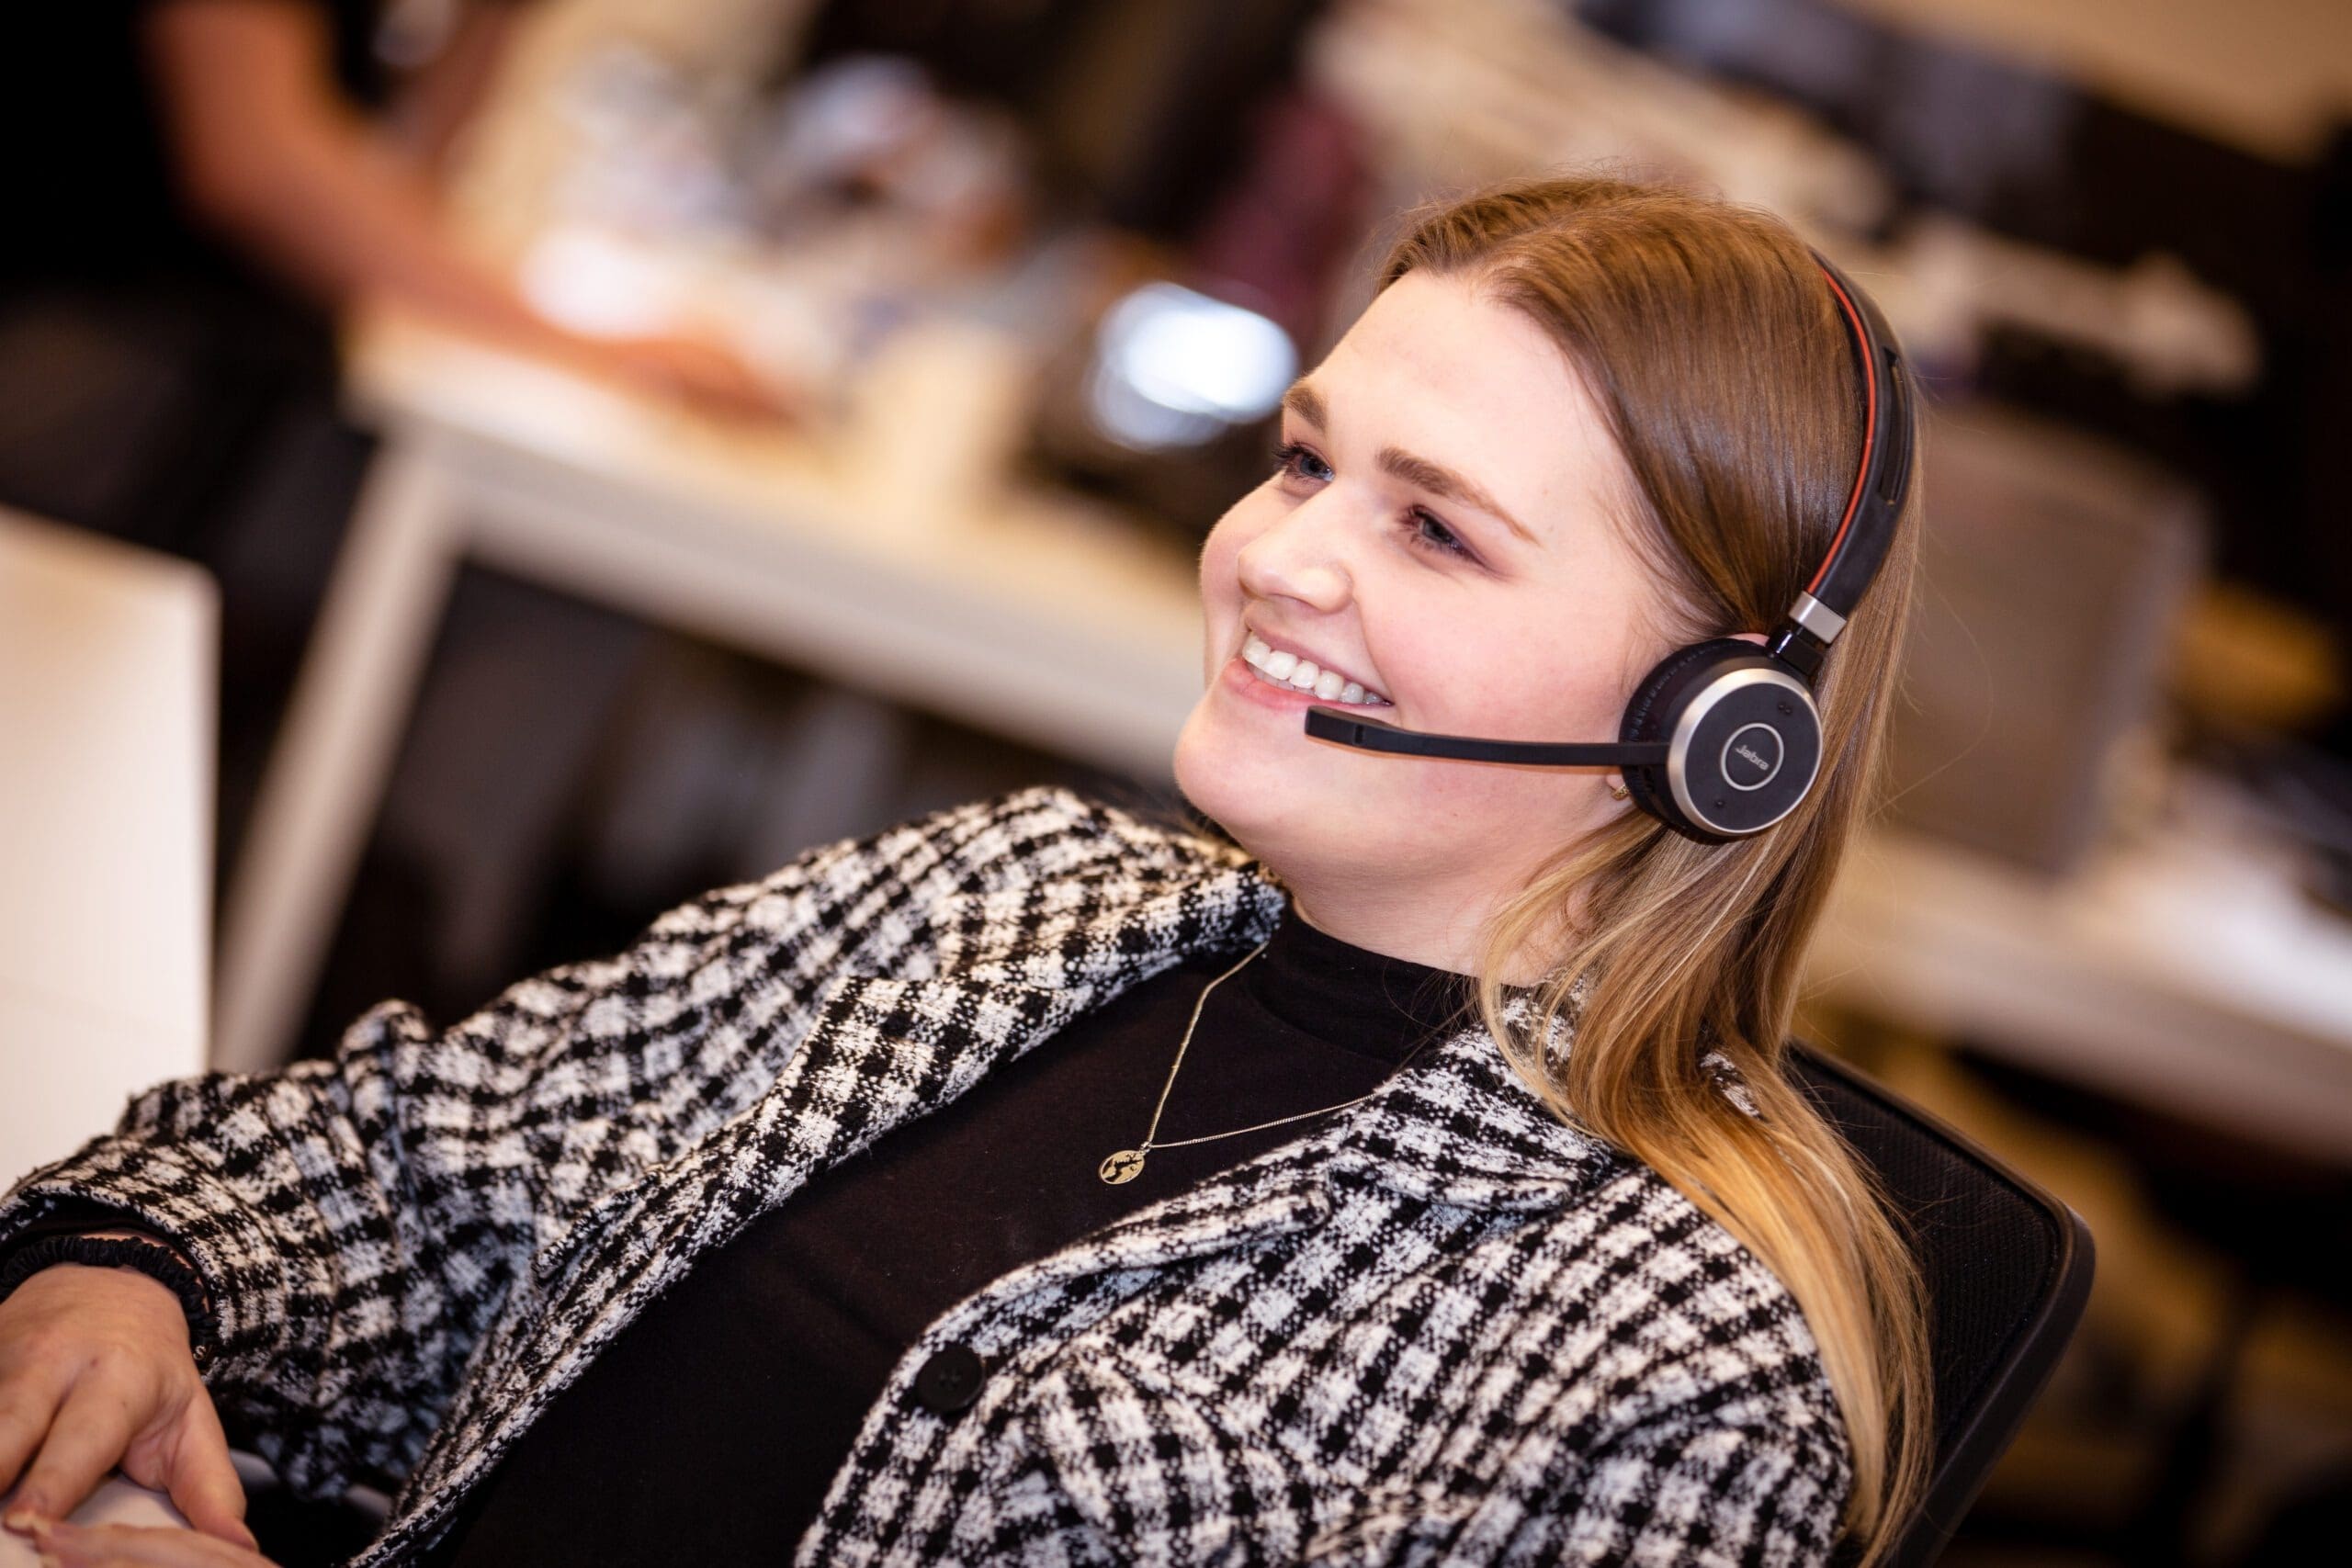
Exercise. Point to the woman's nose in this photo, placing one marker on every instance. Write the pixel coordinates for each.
(1298, 556)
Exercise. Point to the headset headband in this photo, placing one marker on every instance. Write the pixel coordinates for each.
(1881, 482)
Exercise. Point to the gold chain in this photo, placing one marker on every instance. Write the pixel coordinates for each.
(1128, 1163)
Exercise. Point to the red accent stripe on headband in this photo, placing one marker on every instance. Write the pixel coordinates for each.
(1869, 430)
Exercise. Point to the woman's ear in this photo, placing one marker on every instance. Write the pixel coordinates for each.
(1758, 639)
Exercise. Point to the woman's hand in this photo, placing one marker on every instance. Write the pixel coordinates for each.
(133, 1546)
(95, 1373)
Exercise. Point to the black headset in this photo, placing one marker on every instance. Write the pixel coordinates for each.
(1722, 740)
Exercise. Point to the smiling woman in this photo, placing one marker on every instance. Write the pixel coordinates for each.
(1388, 542)
(1408, 1176)
(1583, 424)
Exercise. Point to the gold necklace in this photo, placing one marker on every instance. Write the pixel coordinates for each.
(1128, 1163)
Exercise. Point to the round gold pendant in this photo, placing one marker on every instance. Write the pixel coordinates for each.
(1123, 1168)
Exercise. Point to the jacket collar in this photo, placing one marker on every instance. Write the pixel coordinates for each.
(1456, 1125)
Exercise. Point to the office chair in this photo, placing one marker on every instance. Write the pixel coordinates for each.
(2008, 1268)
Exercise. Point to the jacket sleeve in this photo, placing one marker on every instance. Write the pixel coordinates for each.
(359, 1220)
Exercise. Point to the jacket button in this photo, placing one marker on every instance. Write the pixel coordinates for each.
(950, 1381)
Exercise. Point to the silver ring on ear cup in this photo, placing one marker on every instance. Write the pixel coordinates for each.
(1720, 774)
(1744, 740)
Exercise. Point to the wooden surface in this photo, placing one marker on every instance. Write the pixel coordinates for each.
(889, 552)
(2188, 972)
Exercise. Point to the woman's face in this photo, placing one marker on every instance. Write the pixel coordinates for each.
(1437, 531)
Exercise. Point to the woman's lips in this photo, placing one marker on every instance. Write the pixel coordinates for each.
(1243, 682)
(1290, 666)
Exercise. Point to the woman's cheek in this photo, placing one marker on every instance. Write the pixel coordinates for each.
(1217, 582)
(1221, 595)
(1243, 521)
(1220, 602)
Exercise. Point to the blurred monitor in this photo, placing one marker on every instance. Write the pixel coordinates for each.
(2053, 570)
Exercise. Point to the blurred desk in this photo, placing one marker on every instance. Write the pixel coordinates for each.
(2186, 973)
(1032, 615)
(107, 672)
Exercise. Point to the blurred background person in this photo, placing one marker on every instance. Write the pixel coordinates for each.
(197, 191)
(198, 187)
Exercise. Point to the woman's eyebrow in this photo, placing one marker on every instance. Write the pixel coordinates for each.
(1308, 404)
(1438, 480)
(1304, 402)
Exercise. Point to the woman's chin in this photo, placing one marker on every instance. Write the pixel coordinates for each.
(1209, 769)
(1267, 796)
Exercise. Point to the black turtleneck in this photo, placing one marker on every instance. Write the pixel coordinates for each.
(709, 1431)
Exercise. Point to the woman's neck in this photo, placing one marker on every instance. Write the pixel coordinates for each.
(1418, 928)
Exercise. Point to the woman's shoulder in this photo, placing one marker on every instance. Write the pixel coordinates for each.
(1047, 831)
(1701, 1329)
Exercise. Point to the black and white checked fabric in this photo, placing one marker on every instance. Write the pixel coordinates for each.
(1441, 1327)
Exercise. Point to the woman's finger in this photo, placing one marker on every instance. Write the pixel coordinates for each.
(202, 1481)
(88, 1546)
(27, 1406)
(91, 1429)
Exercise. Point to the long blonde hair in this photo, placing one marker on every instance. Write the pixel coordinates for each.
(1709, 336)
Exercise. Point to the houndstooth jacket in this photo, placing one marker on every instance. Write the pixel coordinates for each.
(1441, 1327)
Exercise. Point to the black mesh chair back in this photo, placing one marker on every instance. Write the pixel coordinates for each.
(2007, 1270)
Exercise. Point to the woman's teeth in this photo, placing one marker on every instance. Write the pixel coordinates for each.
(1280, 667)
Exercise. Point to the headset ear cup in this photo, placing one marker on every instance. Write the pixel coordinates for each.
(1655, 710)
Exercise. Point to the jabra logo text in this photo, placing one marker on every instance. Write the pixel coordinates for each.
(1751, 756)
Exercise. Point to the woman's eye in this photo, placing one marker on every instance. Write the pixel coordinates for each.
(1293, 461)
(1428, 534)
(1424, 531)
